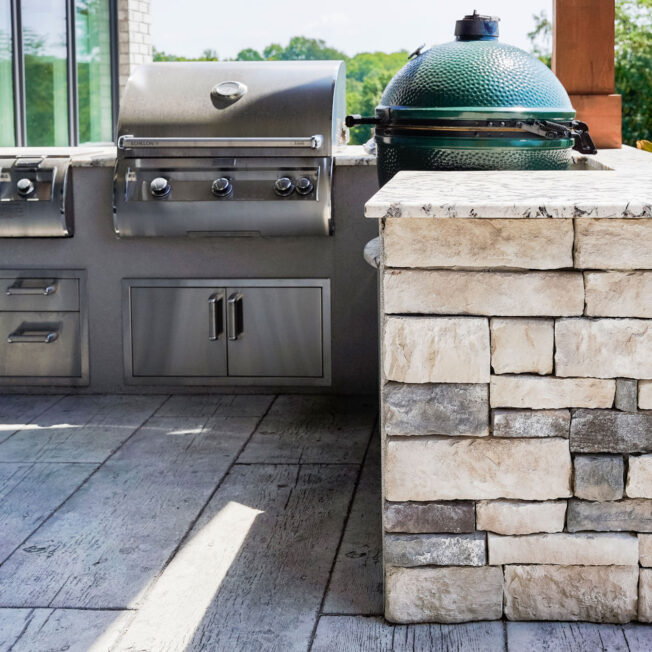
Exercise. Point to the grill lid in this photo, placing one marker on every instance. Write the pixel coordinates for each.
(292, 107)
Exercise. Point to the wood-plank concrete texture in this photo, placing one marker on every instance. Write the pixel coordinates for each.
(211, 523)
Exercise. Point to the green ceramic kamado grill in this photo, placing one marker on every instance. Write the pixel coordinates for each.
(475, 104)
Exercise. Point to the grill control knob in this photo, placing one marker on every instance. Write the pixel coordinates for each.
(160, 187)
(25, 187)
(304, 186)
(283, 186)
(221, 187)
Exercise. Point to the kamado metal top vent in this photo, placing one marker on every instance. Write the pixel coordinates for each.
(475, 103)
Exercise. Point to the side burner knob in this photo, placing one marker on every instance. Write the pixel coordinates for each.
(304, 186)
(25, 187)
(160, 187)
(221, 187)
(283, 186)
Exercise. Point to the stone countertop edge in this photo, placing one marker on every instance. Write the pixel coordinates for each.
(613, 184)
(105, 155)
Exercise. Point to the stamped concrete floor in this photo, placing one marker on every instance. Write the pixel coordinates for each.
(170, 523)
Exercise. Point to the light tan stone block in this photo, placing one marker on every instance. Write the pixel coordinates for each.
(518, 517)
(522, 345)
(645, 395)
(618, 294)
(474, 469)
(645, 596)
(602, 594)
(540, 393)
(443, 595)
(564, 549)
(603, 348)
(645, 549)
(613, 244)
(639, 477)
(500, 294)
(474, 243)
(436, 349)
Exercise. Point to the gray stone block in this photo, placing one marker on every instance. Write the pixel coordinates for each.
(626, 394)
(599, 477)
(436, 409)
(530, 423)
(629, 515)
(610, 431)
(456, 517)
(409, 550)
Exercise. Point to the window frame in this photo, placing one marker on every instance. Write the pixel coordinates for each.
(18, 65)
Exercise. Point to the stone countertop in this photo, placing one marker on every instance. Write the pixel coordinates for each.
(89, 156)
(104, 155)
(614, 183)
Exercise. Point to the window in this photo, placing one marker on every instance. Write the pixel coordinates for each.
(57, 84)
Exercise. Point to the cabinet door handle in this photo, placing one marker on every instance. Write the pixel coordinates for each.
(32, 286)
(34, 334)
(215, 316)
(235, 316)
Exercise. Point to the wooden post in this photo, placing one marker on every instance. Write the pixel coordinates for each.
(583, 59)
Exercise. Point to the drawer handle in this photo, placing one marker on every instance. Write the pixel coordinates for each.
(22, 286)
(34, 334)
(235, 316)
(215, 316)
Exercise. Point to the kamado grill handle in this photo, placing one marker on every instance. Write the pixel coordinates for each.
(135, 142)
(578, 131)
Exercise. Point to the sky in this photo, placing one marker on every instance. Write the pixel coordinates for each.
(189, 27)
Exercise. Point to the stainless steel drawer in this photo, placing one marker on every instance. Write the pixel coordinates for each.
(40, 344)
(38, 293)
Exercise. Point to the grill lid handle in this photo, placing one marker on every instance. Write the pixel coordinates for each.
(136, 142)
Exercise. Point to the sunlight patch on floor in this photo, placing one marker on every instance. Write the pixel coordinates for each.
(32, 426)
(174, 608)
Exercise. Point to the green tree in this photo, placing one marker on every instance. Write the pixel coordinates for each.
(634, 67)
(249, 54)
(541, 37)
(367, 72)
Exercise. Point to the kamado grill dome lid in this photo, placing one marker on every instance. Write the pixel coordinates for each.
(475, 76)
(475, 103)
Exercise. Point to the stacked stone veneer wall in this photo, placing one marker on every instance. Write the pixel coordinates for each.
(517, 371)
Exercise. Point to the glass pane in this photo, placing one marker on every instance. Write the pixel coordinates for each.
(93, 43)
(6, 78)
(46, 79)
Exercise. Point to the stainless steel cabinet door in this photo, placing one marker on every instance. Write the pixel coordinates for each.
(178, 331)
(275, 331)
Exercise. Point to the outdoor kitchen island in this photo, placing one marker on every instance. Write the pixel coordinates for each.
(516, 383)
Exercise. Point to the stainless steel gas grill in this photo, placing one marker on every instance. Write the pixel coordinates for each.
(218, 149)
(35, 201)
